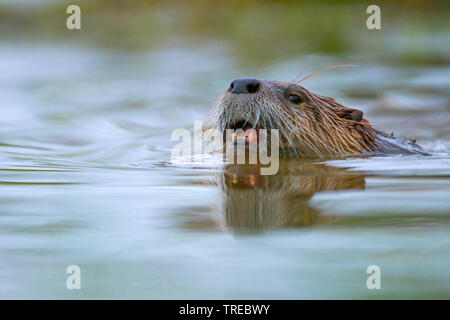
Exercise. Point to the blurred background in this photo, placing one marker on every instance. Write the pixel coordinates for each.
(85, 176)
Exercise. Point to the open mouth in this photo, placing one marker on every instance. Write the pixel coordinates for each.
(246, 131)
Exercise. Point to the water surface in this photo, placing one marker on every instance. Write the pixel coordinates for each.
(86, 179)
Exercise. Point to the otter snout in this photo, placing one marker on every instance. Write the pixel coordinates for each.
(244, 86)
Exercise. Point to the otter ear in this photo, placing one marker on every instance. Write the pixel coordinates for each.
(350, 114)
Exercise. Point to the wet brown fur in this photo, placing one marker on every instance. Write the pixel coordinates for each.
(346, 136)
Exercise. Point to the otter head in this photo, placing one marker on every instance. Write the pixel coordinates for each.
(309, 125)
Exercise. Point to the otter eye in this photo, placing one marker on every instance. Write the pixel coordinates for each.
(295, 98)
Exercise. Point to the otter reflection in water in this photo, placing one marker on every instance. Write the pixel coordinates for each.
(252, 202)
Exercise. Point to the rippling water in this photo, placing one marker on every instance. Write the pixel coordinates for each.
(85, 179)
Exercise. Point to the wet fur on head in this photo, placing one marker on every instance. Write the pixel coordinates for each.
(317, 126)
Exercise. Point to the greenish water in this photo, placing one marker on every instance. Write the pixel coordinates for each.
(86, 177)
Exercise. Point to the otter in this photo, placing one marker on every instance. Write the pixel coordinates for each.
(310, 125)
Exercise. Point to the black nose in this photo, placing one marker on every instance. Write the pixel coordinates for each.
(244, 85)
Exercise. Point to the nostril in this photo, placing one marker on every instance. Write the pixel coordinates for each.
(253, 87)
(244, 86)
